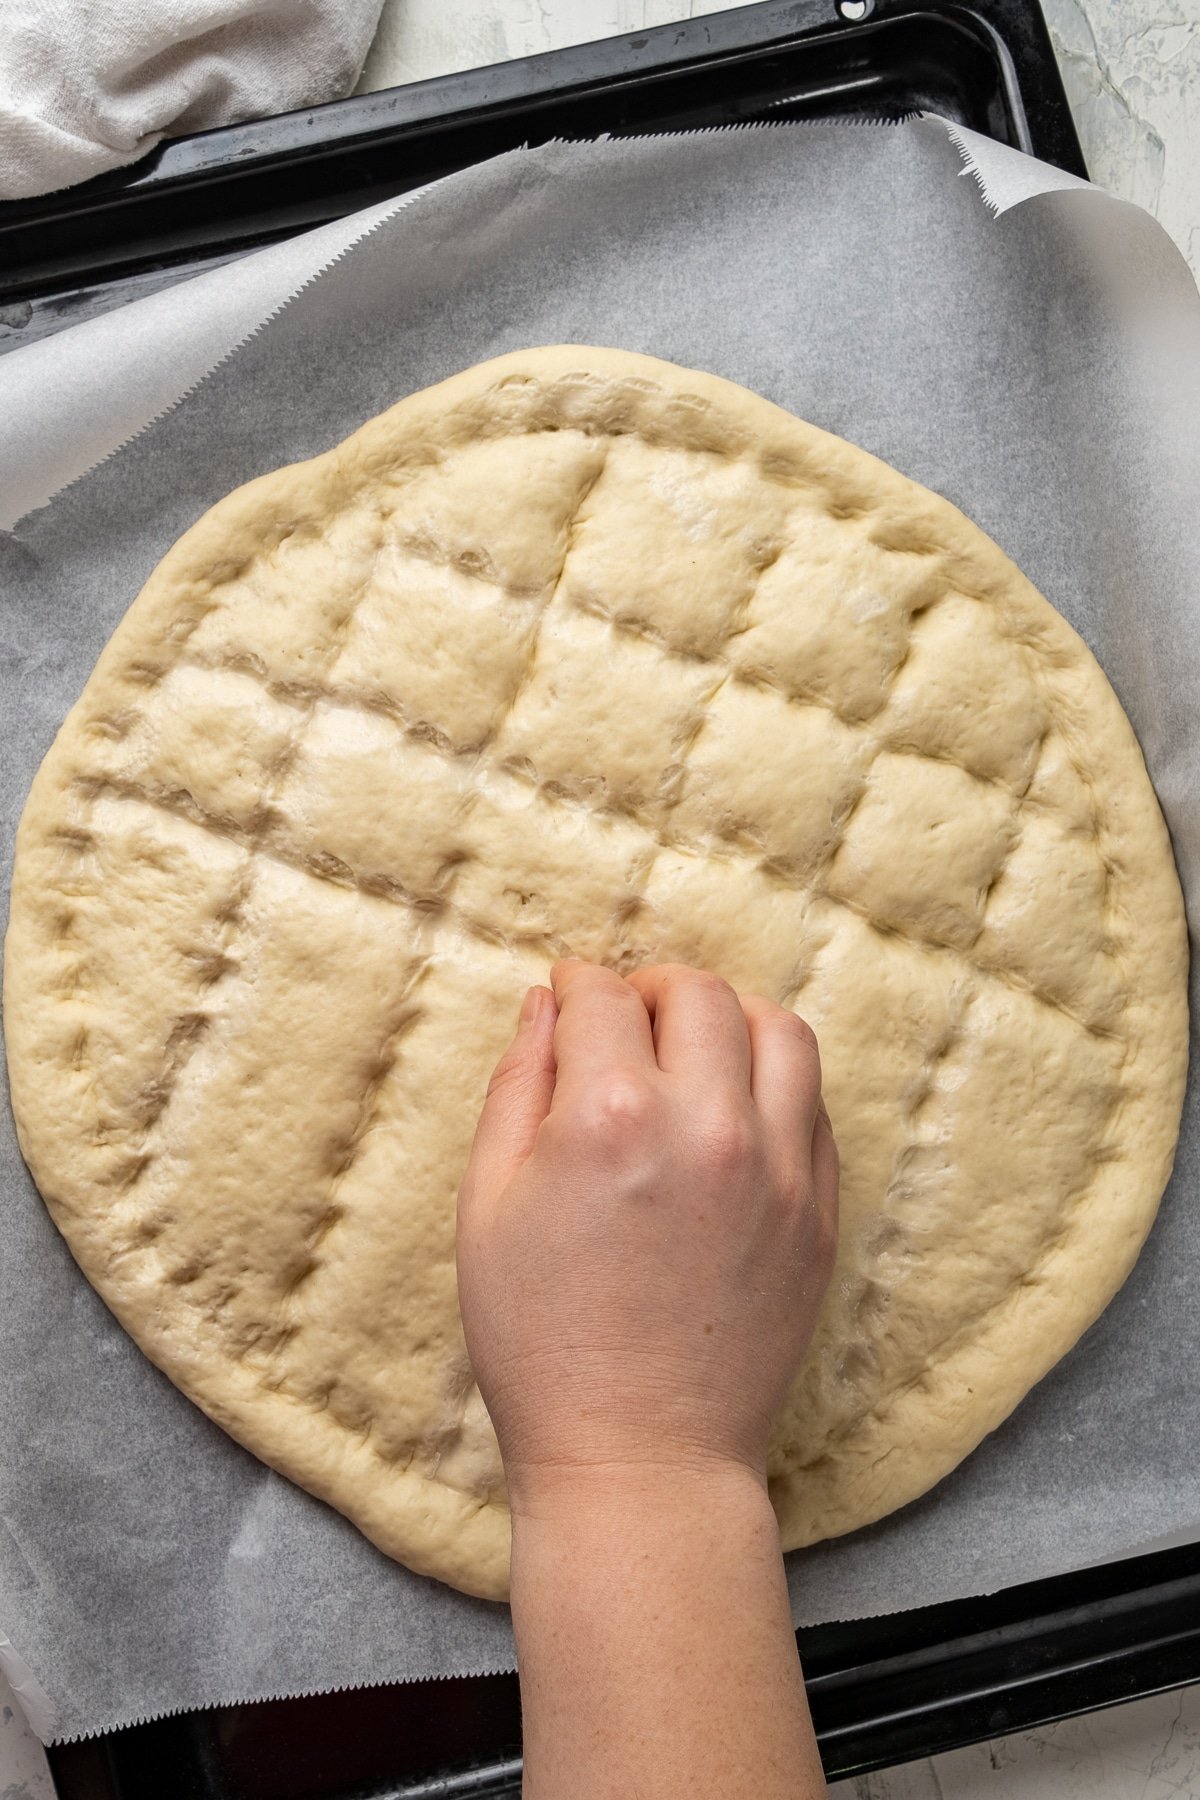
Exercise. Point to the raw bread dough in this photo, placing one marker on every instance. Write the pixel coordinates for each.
(582, 651)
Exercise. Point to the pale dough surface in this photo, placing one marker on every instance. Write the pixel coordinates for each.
(582, 651)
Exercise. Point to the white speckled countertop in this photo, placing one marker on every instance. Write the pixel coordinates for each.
(1132, 73)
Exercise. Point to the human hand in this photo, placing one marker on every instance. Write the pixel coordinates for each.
(646, 1227)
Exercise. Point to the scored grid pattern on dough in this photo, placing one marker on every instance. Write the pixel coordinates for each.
(265, 840)
(658, 822)
(323, 688)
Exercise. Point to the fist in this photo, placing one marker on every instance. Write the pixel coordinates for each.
(646, 1226)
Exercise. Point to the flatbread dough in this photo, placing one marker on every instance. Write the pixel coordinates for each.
(580, 651)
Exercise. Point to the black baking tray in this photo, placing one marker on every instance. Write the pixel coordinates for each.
(882, 1690)
(983, 63)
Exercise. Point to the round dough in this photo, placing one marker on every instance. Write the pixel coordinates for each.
(583, 652)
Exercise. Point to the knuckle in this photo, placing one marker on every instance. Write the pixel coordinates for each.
(728, 1138)
(616, 1108)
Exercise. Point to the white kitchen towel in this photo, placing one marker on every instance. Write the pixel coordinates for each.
(86, 85)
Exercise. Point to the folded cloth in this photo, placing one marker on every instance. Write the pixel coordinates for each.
(87, 85)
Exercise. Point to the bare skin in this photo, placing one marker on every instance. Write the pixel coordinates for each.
(646, 1229)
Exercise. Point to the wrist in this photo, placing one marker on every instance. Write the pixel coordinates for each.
(613, 1557)
(599, 1500)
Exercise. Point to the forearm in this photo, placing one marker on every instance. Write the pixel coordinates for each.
(655, 1644)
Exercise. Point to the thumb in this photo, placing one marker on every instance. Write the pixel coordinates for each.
(518, 1099)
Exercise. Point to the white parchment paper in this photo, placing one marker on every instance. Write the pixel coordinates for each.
(1040, 368)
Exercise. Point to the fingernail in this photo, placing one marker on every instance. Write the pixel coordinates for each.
(530, 1007)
